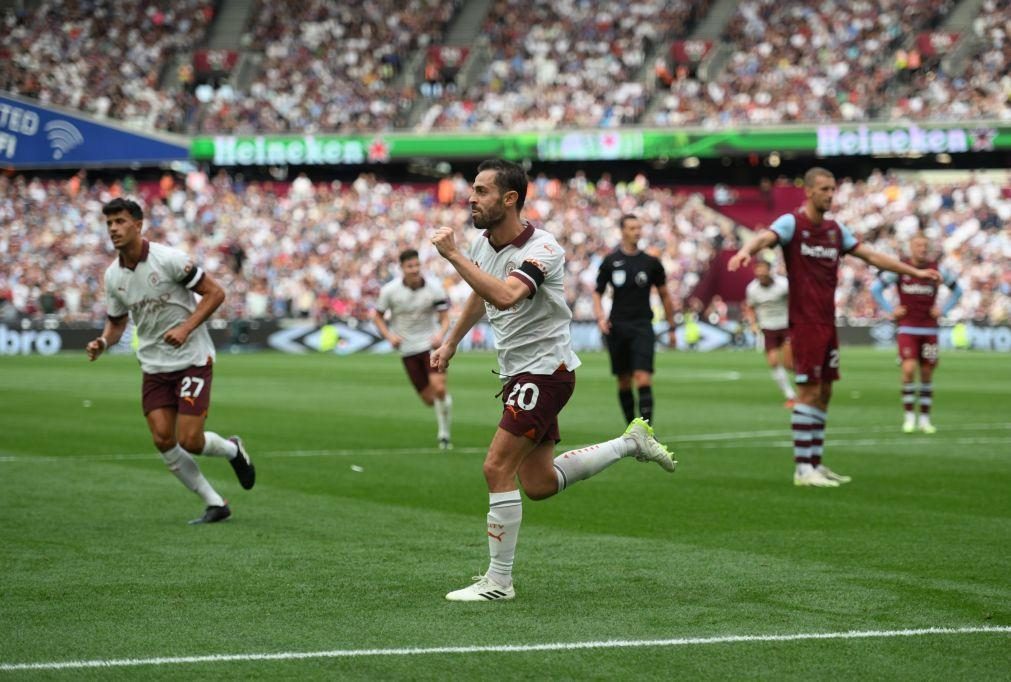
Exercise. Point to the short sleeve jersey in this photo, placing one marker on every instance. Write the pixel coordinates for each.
(631, 278)
(812, 254)
(918, 295)
(414, 312)
(158, 295)
(533, 335)
(770, 303)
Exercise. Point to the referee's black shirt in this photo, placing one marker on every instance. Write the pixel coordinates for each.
(631, 278)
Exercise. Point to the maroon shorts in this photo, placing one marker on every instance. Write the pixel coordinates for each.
(815, 353)
(187, 391)
(531, 403)
(917, 347)
(418, 367)
(775, 338)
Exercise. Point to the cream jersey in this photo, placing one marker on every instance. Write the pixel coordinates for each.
(770, 303)
(533, 335)
(158, 296)
(414, 313)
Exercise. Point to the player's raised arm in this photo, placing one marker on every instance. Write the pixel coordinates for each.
(762, 240)
(503, 294)
(111, 334)
(886, 262)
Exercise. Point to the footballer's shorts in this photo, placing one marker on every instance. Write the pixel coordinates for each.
(187, 391)
(775, 338)
(418, 367)
(631, 346)
(815, 353)
(916, 347)
(531, 403)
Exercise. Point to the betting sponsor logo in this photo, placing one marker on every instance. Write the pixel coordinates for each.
(917, 289)
(827, 252)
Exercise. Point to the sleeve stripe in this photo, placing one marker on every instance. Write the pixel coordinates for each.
(117, 318)
(526, 279)
(441, 304)
(193, 277)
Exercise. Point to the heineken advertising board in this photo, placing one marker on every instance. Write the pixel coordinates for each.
(603, 145)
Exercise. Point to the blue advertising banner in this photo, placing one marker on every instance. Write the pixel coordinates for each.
(35, 136)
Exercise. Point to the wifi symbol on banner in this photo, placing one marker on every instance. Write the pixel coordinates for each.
(63, 136)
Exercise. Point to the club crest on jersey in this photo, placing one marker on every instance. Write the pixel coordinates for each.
(618, 278)
(510, 265)
(641, 279)
(152, 279)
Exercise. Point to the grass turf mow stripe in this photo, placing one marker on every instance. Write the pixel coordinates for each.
(500, 648)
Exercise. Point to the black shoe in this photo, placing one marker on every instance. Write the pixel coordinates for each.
(244, 469)
(213, 515)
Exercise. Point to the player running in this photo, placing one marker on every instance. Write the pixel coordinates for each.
(516, 272)
(419, 318)
(917, 315)
(766, 311)
(154, 285)
(812, 248)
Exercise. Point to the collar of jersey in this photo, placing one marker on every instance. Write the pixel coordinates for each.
(145, 248)
(520, 239)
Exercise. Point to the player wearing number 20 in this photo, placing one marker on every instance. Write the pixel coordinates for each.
(155, 285)
(516, 272)
(812, 246)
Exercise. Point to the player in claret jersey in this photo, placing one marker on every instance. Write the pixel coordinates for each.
(812, 247)
(517, 273)
(917, 315)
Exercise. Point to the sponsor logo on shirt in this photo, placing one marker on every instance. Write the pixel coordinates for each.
(917, 289)
(827, 252)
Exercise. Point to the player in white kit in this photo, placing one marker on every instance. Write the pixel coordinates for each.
(418, 308)
(154, 285)
(516, 272)
(766, 297)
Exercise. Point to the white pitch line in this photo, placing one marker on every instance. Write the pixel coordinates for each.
(498, 648)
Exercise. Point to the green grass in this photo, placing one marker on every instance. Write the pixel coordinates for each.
(98, 562)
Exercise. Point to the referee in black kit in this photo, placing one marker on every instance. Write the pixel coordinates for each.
(629, 332)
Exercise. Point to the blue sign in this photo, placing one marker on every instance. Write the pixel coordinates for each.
(34, 136)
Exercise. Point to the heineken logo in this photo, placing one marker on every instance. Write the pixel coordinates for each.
(911, 139)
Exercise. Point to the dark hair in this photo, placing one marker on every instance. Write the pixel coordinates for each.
(762, 261)
(407, 254)
(128, 205)
(625, 218)
(814, 173)
(509, 177)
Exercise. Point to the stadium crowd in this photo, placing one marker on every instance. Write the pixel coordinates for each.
(303, 249)
(103, 57)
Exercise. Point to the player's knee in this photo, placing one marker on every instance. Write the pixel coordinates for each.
(427, 398)
(497, 473)
(163, 442)
(192, 443)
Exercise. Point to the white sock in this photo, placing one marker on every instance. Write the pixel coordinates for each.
(444, 415)
(216, 446)
(783, 381)
(505, 512)
(578, 465)
(182, 464)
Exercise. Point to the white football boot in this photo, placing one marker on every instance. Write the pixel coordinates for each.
(831, 475)
(814, 479)
(483, 589)
(649, 449)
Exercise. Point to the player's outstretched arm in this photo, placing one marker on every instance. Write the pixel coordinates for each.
(212, 296)
(473, 310)
(111, 334)
(886, 262)
(762, 240)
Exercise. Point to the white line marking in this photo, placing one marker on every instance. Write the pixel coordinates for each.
(742, 439)
(502, 648)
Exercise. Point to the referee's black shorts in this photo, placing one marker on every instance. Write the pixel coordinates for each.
(631, 346)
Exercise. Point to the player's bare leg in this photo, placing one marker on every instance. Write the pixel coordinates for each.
(625, 396)
(909, 395)
(926, 397)
(644, 389)
(162, 423)
(193, 438)
(443, 404)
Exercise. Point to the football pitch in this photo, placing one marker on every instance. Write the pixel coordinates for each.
(335, 565)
